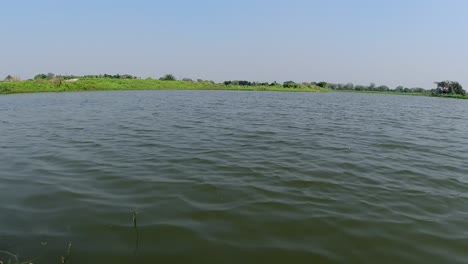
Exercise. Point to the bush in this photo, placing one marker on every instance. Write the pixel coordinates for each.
(4, 88)
(168, 77)
(290, 84)
(322, 84)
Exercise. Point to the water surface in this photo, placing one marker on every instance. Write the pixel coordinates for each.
(233, 177)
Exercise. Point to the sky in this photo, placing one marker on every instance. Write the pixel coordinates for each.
(393, 42)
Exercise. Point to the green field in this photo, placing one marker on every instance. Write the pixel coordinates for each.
(107, 84)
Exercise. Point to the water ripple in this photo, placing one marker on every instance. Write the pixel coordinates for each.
(234, 177)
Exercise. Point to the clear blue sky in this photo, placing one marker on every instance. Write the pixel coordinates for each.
(393, 42)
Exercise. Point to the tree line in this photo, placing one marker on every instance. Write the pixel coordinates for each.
(287, 84)
(442, 88)
(374, 88)
(51, 76)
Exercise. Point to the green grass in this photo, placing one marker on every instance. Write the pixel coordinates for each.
(107, 84)
(104, 84)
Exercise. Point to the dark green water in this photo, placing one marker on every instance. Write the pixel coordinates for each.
(233, 177)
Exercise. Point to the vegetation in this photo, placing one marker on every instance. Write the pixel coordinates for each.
(57, 83)
(290, 84)
(10, 78)
(51, 76)
(322, 84)
(286, 85)
(374, 88)
(135, 214)
(64, 260)
(448, 88)
(168, 77)
(245, 83)
(444, 88)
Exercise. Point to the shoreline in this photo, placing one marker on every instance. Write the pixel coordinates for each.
(84, 85)
(449, 96)
(105, 84)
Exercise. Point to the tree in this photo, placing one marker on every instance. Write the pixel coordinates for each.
(418, 90)
(40, 76)
(58, 80)
(322, 84)
(128, 76)
(372, 87)
(290, 84)
(50, 76)
(442, 87)
(348, 86)
(360, 88)
(10, 78)
(456, 88)
(245, 83)
(449, 87)
(168, 77)
(382, 88)
(399, 89)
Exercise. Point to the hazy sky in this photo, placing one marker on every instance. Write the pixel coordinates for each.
(393, 42)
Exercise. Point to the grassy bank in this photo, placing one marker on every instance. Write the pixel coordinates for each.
(384, 92)
(455, 96)
(107, 84)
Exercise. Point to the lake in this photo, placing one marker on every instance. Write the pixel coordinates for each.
(233, 177)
